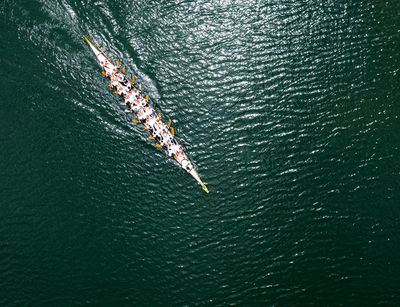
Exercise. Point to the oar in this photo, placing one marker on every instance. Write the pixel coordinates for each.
(156, 106)
(170, 127)
(139, 83)
(170, 121)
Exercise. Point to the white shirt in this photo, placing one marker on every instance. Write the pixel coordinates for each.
(140, 114)
(108, 70)
(130, 98)
(148, 111)
(151, 121)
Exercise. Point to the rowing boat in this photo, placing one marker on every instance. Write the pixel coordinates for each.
(180, 157)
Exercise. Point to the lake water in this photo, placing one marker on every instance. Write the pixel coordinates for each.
(289, 109)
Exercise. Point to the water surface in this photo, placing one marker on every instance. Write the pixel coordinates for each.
(289, 109)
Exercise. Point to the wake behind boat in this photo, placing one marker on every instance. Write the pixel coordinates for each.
(145, 113)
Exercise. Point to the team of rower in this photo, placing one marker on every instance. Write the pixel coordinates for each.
(145, 113)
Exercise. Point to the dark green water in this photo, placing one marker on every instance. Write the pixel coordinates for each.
(290, 109)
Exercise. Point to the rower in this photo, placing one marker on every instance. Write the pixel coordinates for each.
(148, 112)
(134, 108)
(125, 82)
(130, 97)
(119, 77)
(165, 142)
(164, 135)
(140, 115)
(157, 126)
(156, 132)
(150, 122)
(108, 70)
(173, 150)
(121, 91)
(171, 154)
(115, 83)
(142, 102)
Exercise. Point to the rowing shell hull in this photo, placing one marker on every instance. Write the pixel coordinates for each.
(103, 60)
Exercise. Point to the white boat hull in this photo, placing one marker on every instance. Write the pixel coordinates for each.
(181, 159)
